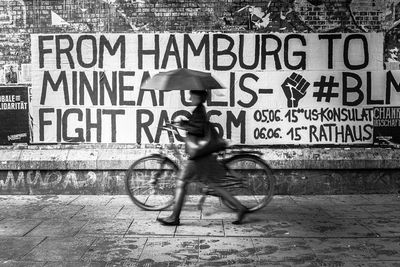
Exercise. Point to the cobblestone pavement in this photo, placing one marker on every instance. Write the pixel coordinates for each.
(104, 230)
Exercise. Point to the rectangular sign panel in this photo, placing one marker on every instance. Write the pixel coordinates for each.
(14, 117)
(87, 88)
(386, 125)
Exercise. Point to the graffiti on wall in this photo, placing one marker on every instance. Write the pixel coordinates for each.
(6, 17)
(343, 18)
(112, 182)
(392, 38)
(273, 15)
(302, 16)
(10, 18)
(61, 181)
(13, 45)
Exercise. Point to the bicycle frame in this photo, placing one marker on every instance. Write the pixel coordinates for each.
(246, 175)
(223, 156)
(169, 127)
(232, 180)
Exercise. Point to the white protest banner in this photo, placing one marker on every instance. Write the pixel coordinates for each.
(86, 87)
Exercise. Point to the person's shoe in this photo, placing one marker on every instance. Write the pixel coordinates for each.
(169, 221)
(240, 216)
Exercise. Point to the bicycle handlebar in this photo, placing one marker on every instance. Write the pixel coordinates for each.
(172, 127)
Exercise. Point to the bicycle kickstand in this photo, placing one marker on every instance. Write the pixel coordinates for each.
(201, 202)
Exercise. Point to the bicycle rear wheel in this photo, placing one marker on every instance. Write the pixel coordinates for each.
(151, 182)
(250, 180)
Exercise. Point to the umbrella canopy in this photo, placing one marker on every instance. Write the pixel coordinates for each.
(182, 79)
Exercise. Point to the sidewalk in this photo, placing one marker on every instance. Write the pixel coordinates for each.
(105, 230)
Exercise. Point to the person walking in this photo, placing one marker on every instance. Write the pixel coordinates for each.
(205, 169)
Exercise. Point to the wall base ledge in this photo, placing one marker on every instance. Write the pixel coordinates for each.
(119, 157)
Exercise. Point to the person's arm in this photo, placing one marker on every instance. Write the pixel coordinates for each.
(197, 122)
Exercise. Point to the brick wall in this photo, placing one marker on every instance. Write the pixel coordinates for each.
(19, 18)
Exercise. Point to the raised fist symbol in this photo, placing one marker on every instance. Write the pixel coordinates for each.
(295, 88)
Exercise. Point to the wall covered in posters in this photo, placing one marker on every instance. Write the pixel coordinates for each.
(280, 88)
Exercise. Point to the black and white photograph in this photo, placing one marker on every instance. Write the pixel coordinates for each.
(200, 133)
(10, 74)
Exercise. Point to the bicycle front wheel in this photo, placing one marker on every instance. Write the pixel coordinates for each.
(250, 180)
(151, 182)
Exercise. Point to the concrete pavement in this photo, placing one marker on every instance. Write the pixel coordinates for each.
(109, 230)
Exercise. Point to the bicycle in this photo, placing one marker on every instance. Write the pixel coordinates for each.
(150, 181)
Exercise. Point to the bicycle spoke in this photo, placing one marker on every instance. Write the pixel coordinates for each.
(250, 180)
(150, 179)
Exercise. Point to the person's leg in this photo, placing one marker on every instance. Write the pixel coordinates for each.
(188, 173)
(242, 210)
(180, 193)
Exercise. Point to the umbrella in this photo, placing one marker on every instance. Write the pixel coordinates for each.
(182, 79)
